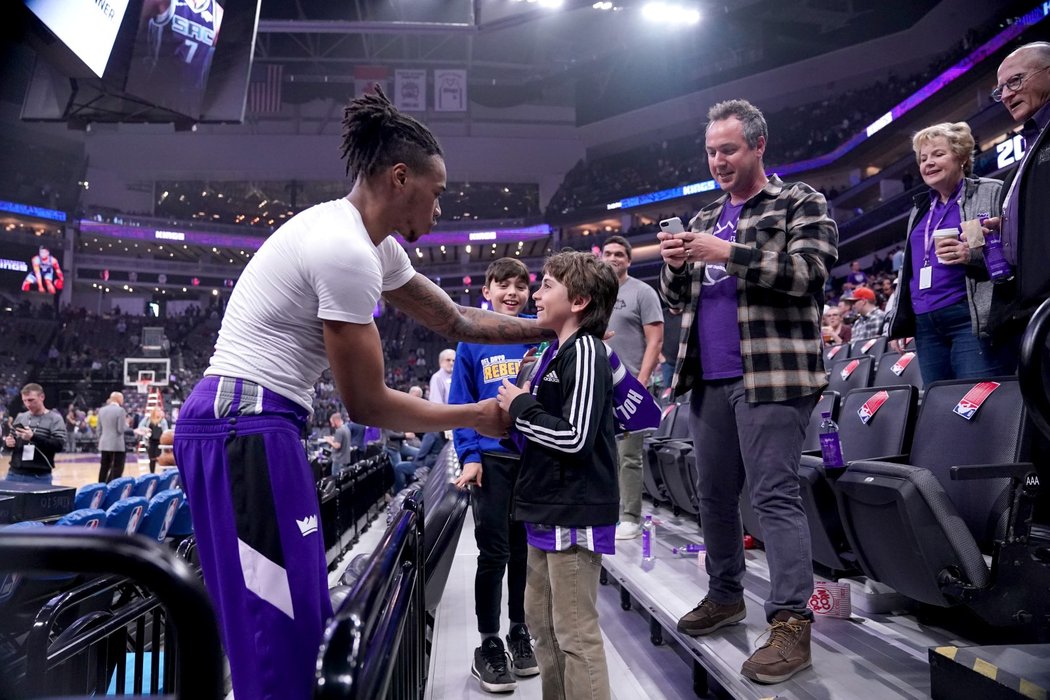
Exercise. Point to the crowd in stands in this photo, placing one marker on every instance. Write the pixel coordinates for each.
(268, 204)
(801, 132)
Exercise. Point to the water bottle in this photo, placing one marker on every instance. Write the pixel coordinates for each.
(830, 445)
(998, 269)
(688, 549)
(648, 540)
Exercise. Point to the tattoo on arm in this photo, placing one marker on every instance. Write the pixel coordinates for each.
(431, 306)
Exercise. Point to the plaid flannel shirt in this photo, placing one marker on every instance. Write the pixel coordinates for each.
(785, 245)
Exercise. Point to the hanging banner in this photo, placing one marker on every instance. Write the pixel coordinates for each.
(450, 90)
(410, 90)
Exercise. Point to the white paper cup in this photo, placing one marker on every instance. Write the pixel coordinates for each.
(941, 233)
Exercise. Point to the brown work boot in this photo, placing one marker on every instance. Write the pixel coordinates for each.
(785, 653)
(709, 616)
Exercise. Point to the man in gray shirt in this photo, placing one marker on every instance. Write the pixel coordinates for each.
(112, 420)
(638, 323)
(37, 434)
(340, 442)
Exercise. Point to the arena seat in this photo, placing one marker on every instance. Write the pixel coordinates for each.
(90, 496)
(887, 433)
(146, 485)
(899, 368)
(873, 347)
(676, 465)
(169, 479)
(833, 353)
(910, 525)
(851, 373)
(182, 525)
(673, 426)
(126, 515)
(83, 517)
(828, 401)
(118, 490)
(160, 514)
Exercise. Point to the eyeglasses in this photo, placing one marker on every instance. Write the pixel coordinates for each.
(1014, 82)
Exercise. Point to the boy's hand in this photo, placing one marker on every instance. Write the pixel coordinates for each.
(508, 392)
(471, 475)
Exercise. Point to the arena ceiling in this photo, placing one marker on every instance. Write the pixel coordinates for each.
(599, 61)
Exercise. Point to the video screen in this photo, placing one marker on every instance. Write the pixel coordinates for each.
(173, 53)
(34, 270)
(87, 27)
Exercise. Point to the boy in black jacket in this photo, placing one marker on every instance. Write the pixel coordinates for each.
(566, 492)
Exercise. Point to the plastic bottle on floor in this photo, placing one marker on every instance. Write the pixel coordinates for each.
(648, 540)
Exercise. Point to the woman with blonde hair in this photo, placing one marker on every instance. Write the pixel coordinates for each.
(944, 292)
(151, 428)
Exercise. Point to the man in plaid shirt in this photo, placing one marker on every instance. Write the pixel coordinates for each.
(749, 277)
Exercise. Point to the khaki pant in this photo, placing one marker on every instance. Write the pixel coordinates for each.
(561, 611)
(629, 447)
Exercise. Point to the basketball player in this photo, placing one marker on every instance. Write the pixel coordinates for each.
(46, 275)
(177, 41)
(305, 303)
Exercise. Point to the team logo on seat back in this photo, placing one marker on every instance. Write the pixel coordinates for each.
(133, 521)
(976, 396)
(96, 500)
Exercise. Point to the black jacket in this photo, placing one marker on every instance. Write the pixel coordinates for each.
(568, 471)
(1014, 302)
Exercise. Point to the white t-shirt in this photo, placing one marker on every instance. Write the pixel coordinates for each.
(320, 265)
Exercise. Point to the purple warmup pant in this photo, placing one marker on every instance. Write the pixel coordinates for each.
(255, 514)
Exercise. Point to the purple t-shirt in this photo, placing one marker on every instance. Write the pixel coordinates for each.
(949, 281)
(717, 327)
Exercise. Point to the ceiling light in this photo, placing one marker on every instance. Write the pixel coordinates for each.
(670, 13)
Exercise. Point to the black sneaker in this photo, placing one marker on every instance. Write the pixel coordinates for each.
(523, 661)
(490, 667)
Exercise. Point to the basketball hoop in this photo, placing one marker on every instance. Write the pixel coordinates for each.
(143, 386)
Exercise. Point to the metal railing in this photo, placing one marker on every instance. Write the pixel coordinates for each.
(162, 603)
(374, 646)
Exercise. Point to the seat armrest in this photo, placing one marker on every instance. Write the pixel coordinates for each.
(1012, 470)
(811, 453)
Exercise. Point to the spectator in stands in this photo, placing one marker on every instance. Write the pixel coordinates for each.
(440, 383)
(480, 370)
(833, 330)
(868, 318)
(638, 325)
(340, 441)
(568, 423)
(112, 420)
(36, 435)
(283, 326)
(1024, 89)
(151, 428)
(669, 353)
(941, 301)
(750, 353)
(92, 422)
(856, 276)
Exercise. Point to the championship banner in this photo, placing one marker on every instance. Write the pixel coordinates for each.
(410, 90)
(450, 91)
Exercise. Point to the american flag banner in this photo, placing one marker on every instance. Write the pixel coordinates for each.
(264, 90)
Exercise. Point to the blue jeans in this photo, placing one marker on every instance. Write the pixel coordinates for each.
(30, 478)
(734, 439)
(948, 349)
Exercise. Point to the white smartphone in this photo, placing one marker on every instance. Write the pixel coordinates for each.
(672, 225)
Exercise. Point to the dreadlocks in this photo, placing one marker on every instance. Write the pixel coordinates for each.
(376, 135)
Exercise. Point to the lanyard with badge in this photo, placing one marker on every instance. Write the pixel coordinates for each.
(926, 271)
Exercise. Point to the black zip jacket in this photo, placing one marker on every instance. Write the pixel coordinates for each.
(568, 471)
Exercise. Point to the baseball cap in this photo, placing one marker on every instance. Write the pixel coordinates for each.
(860, 293)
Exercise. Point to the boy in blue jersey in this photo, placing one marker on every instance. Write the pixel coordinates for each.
(567, 493)
(480, 370)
